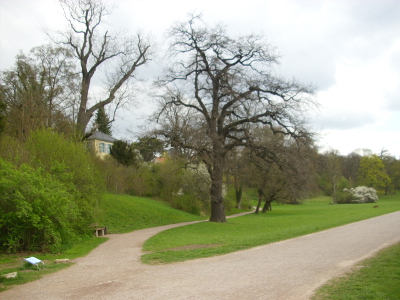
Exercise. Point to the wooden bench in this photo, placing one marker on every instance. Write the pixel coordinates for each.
(99, 231)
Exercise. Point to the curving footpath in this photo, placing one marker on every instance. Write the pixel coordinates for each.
(290, 269)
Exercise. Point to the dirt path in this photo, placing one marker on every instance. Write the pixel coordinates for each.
(290, 269)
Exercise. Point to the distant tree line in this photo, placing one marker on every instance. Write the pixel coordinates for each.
(359, 168)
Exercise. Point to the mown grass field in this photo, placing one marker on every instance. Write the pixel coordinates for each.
(283, 222)
(377, 278)
(123, 213)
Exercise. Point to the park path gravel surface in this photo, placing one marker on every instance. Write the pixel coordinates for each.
(290, 269)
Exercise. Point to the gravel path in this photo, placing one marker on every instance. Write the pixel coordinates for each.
(290, 269)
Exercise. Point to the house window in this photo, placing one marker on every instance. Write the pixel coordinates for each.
(102, 148)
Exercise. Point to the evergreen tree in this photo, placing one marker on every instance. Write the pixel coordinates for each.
(102, 121)
(123, 153)
(149, 147)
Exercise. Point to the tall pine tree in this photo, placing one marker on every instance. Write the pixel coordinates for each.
(102, 122)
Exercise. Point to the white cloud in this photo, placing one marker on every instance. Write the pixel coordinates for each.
(351, 140)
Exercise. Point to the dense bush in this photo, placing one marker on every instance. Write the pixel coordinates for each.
(38, 212)
(48, 193)
(184, 187)
(125, 154)
(48, 149)
(137, 180)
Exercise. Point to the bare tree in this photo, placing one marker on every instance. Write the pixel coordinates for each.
(227, 84)
(38, 91)
(285, 167)
(94, 47)
(236, 170)
(351, 164)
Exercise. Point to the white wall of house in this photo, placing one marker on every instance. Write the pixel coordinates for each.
(101, 148)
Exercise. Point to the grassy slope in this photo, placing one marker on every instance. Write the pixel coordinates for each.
(285, 221)
(122, 213)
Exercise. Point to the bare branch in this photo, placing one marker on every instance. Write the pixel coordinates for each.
(228, 86)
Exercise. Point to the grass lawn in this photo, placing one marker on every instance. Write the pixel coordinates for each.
(377, 278)
(283, 222)
(13, 263)
(123, 213)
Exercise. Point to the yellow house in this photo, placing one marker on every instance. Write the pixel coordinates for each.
(100, 143)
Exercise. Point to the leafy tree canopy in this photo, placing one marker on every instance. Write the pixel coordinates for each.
(149, 147)
(372, 172)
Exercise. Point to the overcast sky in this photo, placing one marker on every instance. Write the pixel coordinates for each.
(350, 50)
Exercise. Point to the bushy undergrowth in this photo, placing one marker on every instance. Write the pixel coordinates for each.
(48, 193)
(182, 187)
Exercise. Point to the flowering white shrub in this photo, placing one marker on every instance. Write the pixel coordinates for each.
(179, 193)
(363, 194)
(196, 181)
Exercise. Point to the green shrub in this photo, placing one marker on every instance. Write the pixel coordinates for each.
(48, 194)
(343, 197)
(38, 212)
(49, 150)
(188, 187)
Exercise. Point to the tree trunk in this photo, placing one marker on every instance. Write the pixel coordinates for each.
(217, 201)
(82, 121)
(260, 194)
(217, 210)
(267, 206)
(334, 194)
(238, 194)
(386, 189)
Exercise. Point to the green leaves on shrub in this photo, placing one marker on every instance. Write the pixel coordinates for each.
(70, 163)
(47, 202)
(36, 210)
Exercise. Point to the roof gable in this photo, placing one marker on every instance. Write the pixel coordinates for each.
(98, 135)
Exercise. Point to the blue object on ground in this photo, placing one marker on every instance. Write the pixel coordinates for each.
(34, 261)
